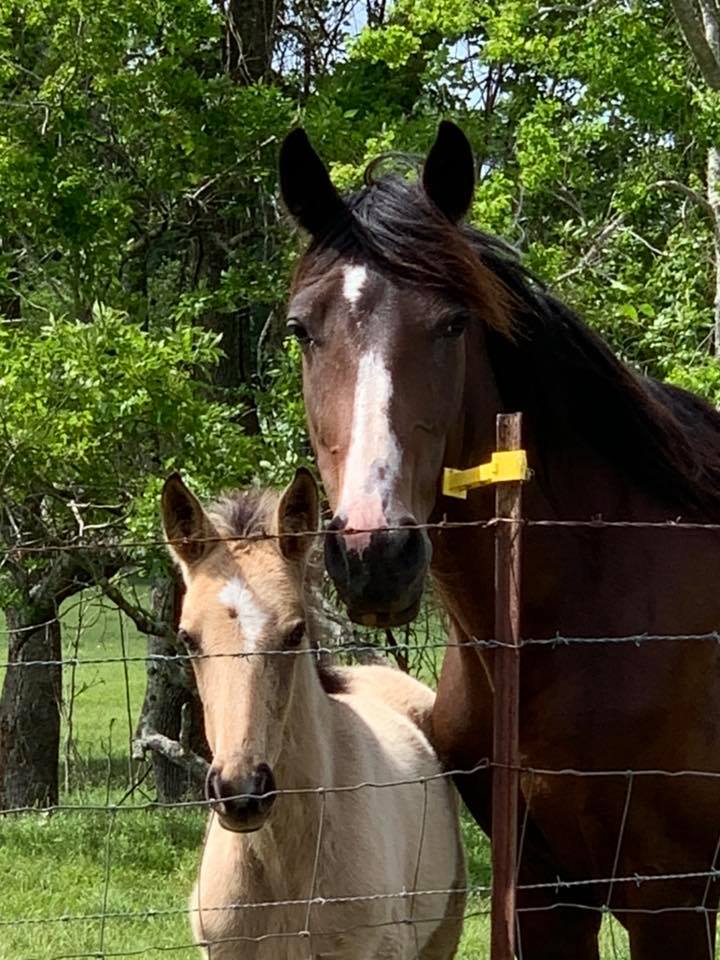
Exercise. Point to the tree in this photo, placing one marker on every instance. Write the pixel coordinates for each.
(137, 171)
(593, 142)
(700, 25)
(94, 415)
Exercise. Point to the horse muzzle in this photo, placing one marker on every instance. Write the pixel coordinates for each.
(381, 583)
(242, 804)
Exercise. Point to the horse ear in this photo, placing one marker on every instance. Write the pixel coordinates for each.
(306, 186)
(186, 524)
(298, 512)
(449, 172)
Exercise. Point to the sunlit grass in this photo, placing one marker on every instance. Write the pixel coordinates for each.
(135, 867)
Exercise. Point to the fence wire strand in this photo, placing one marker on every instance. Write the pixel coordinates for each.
(440, 526)
(559, 889)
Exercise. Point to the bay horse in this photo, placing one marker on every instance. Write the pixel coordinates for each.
(416, 330)
(336, 858)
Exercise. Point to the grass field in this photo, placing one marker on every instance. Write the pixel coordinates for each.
(128, 873)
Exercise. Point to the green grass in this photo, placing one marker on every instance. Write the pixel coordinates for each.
(136, 866)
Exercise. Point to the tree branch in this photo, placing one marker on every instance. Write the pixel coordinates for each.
(65, 577)
(177, 751)
(692, 29)
(144, 621)
(678, 186)
(595, 249)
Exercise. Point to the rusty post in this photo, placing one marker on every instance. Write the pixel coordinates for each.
(506, 673)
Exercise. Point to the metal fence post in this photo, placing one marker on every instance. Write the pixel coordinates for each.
(508, 507)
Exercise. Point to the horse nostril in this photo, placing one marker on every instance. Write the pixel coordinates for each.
(407, 521)
(212, 785)
(264, 781)
(336, 560)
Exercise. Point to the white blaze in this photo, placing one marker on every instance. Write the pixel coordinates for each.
(354, 277)
(373, 459)
(237, 596)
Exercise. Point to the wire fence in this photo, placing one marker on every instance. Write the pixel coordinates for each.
(106, 787)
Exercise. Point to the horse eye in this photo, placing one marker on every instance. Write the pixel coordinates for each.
(453, 327)
(297, 330)
(294, 637)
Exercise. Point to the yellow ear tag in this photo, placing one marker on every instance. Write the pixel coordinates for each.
(505, 465)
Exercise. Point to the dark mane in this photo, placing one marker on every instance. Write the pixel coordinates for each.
(556, 365)
(546, 361)
(332, 679)
(392, 224)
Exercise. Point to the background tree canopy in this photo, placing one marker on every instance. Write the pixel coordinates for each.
(144, 260)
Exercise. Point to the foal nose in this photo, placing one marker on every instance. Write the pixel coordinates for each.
(242, 803)
(381, 585)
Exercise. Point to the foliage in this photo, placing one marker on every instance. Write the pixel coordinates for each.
(95, 415)
(580, 116)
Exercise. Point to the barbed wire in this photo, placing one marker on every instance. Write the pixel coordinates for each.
(105, 916)
(596, 523)
(482, 765)
(471, 890)
(342, 649)
(318, 791)
(263, 938)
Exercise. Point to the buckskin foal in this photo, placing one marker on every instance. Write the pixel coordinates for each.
(330, 810)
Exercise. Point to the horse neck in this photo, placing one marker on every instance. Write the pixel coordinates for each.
(571, 478)
(571, 481)
(308, 741)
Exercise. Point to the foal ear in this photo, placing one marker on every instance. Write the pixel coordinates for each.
(449, 172)
(185, 522)
(298, 512)
(306, 186)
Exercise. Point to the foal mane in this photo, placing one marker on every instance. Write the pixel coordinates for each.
(547, 362)
(250, 513)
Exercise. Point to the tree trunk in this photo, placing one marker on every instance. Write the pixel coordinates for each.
(30, 710)
(250, 36)
(170, 685)
(713, 196)
(236, 369)
(712, 36)
(698, 21)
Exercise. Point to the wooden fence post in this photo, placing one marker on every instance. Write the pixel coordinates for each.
(505, 777)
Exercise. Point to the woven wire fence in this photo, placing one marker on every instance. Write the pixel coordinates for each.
(107, 785)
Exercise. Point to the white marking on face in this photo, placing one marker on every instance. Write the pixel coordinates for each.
(237, 596)
(373, 459)
(354, 277)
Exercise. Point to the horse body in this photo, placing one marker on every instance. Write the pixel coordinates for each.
(374, 844)
(654, 705)
(454, 332)
(304, 855)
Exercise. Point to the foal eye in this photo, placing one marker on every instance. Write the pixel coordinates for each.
(297, 330)
(453, 327)
(294, 637)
